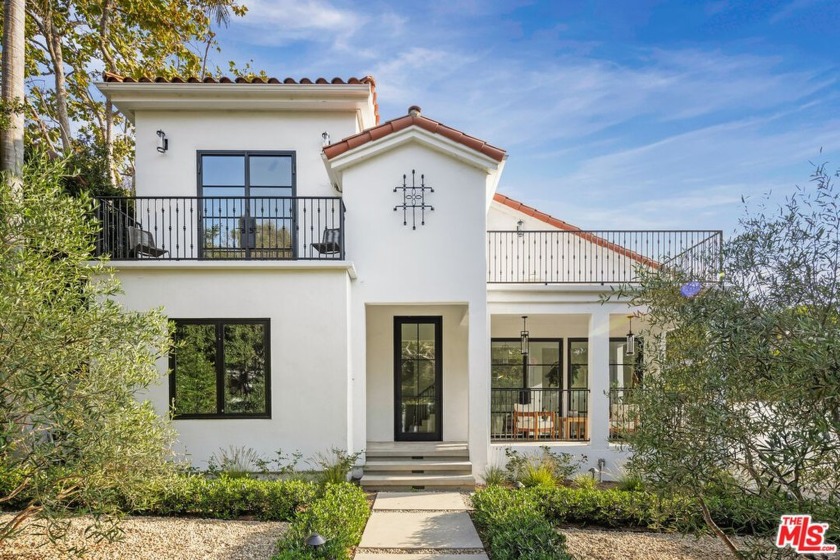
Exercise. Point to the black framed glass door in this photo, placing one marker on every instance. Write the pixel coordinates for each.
(418, 375)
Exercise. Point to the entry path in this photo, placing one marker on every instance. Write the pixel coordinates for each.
(420, 526)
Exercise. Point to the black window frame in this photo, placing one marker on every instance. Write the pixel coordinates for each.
(246, 194)
(220, 374)
(638, 366)
(560, 351)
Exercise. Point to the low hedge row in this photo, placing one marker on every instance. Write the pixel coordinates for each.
(223, 498)
(196, 495)
(339, 515)
(513, 525)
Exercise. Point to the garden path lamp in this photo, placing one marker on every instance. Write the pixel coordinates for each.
(630, 347)
(315, 541)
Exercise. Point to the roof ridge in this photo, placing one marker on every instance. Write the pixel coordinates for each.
(405, 121)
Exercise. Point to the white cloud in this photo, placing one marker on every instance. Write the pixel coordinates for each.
(279, 22)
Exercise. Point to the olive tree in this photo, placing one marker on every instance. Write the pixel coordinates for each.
(72, 433)
(741, 403)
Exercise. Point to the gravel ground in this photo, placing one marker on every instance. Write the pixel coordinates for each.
(592, 544)
(161, 538)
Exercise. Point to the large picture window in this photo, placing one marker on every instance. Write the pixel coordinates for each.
(625, 371)
(220, 368)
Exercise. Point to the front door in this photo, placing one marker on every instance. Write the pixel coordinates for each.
(418, 373)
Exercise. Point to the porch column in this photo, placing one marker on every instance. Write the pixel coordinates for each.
(479, 387)
(599, 378)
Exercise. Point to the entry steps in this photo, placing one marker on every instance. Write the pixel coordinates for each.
(417, 466)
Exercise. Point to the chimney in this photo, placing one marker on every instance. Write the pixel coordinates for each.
(414, 110)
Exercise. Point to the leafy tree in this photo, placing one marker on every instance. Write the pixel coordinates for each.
(11, 100)
(65, 39)
(72, 433)
(743, 405)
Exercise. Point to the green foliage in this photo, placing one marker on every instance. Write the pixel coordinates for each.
(513, 525)
(630, 482)
(335, 465)
(585, 482)
(222, 498)
(339, 515)
(743, 407)
(494, 475)
(234, 462)
(543, 468)
(71, 360)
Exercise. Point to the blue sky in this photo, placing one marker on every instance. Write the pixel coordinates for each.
(615, 115)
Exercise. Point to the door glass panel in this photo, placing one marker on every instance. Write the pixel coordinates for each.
(245, 369)
(418, 390)
(271, 171)
(223, 170)
(195, 369)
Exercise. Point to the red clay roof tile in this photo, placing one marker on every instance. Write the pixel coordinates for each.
(111, 77)
(395, 125)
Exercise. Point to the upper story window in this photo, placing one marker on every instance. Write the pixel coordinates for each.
(247, 208)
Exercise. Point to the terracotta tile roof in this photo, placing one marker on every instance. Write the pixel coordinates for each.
(566, 226)
(110, 77)
(414, 118)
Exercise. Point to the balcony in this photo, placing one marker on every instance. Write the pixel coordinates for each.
(539, 415)
(220, 228)
(600, 257)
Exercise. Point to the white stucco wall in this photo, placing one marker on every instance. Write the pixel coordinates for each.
(309, 346)
(439, 263)
(174, 173)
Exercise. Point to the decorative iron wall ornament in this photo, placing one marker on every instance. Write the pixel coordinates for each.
(414, 199)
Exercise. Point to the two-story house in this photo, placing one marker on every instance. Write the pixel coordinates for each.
(340, 281)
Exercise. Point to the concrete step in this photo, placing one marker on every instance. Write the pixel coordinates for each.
(400, 465)
(417, 481)
(418, 449)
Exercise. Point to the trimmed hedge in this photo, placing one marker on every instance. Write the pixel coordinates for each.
(223, 498)
(513, 525)
(339, 515)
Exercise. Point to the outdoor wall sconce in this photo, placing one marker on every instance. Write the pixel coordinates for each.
(414, 199)
(163, 142)
(325, 138)
(630, 348)
(519, 228)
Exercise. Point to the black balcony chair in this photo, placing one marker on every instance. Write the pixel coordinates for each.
(142, 242)
(330, 242)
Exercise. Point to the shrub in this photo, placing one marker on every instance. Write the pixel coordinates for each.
(494, 475)
(235, 462)
(630, 482)
(335, 465)
(513, 526)
(585, 482)
(560, 465)
(223, 497)
(537, 475)
(339, 515)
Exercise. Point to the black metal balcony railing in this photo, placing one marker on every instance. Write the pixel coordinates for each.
(539, 414)
(624, 415)
(189, 228)
(550, 257)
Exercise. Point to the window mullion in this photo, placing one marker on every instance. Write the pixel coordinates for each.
(220, 368)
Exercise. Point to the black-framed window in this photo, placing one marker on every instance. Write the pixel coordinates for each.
(248, 206)
(578, 373)
(220, 368)
(625, 371)
(544, 365)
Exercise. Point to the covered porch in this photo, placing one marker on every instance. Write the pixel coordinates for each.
(562, 377)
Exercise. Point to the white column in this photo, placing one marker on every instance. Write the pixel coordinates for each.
(479, 387)
(599, 376)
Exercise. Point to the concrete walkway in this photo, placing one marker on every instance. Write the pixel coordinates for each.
(420, 526)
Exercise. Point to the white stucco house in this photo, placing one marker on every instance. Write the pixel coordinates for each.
(341, 281)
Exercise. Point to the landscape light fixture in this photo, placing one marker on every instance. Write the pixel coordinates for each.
(631, 339)
(315, 541)
(163, 142)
